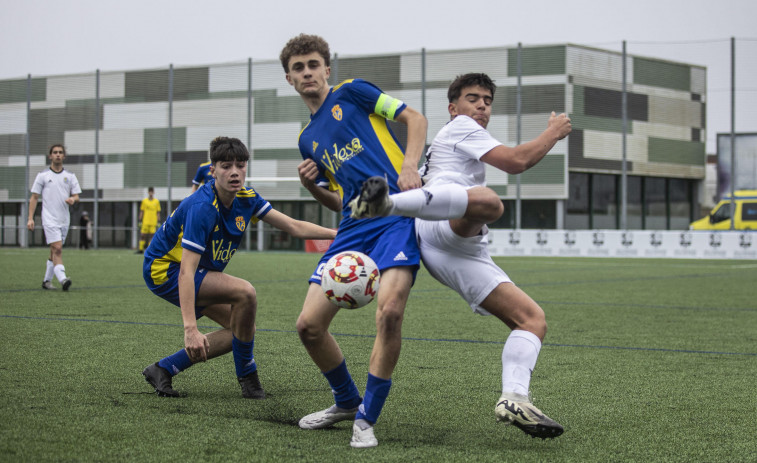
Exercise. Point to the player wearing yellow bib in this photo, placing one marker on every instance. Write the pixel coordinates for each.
(149, 216)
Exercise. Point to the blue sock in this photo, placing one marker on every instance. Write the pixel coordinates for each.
(376, 392)
(244, 361)
(345, 392)
(176, 363)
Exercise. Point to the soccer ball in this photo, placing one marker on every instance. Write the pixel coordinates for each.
(350, 279)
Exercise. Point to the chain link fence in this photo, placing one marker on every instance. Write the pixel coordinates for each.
(644, 128)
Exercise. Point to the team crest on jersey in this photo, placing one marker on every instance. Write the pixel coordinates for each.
(240, 223)
(315, 146)
(336, 111)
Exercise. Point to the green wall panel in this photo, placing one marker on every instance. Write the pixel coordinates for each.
(14, 91)
(537, 61)
(604, 124)
(13, 144)
(661, 74)
(578, 100)
(535, 99)
(143, 170)
(384, 71)
(499, 189)
(151, 86)
(676, 151)
(278, 154)
(271, 108)
(13, 180)
(549, 171)
(156, 140)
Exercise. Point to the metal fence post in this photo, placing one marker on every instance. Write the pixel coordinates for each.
(96, 212)
(624, 163)
(170, 136)
(518, 111)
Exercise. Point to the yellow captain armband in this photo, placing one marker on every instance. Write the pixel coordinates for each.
(386, 106)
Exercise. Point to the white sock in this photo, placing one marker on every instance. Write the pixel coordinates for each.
(60, 272)
(437, 202)
(49, 271)
(518, 361)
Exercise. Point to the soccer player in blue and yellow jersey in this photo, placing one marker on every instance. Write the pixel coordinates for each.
(347, 141)
(202, 176)
(185, 261)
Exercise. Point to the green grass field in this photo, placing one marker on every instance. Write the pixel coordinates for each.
(645, 360)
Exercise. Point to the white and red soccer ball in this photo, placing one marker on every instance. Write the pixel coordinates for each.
(350, 279)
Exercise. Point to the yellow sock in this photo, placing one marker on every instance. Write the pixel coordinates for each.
(141, 245)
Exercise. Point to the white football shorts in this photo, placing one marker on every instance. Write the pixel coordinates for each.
(55, 233)
(463, 264)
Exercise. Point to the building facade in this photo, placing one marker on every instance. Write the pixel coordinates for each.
(126, 131)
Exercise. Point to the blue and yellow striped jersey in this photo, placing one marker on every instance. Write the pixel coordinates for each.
(201, 223)
(350, 139)
(203, 174)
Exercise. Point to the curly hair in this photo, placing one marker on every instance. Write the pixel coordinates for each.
(469, 80)
(304, 44)
(228, 149)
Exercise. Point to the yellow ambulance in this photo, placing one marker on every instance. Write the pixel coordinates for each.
(720, 216)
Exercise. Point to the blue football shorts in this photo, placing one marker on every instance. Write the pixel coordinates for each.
(389, 241)
(169, 290)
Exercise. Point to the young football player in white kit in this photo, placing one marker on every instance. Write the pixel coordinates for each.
(59, 189)
(455, 251)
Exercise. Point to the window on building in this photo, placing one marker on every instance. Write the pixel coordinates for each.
(634, 207)
(656, 206)
(539, 214)
(680, 203)
(604, 201)
(577, 207)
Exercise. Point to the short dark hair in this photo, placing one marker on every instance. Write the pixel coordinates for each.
(469, 80)
(228, 149)
(57, 145)
(150, 189)
(304, 44)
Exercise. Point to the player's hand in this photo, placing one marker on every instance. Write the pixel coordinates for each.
(560, 124)
(70, 201)
(30, 224)
(409, 179)
(308, 172)
(196, 345)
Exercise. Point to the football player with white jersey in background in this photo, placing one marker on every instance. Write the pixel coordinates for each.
(59, 189)
(455, 250)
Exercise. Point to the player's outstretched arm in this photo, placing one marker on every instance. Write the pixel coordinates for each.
(526, 155)
(298, 228)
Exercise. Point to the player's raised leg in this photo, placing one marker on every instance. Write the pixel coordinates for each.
(432, 202)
